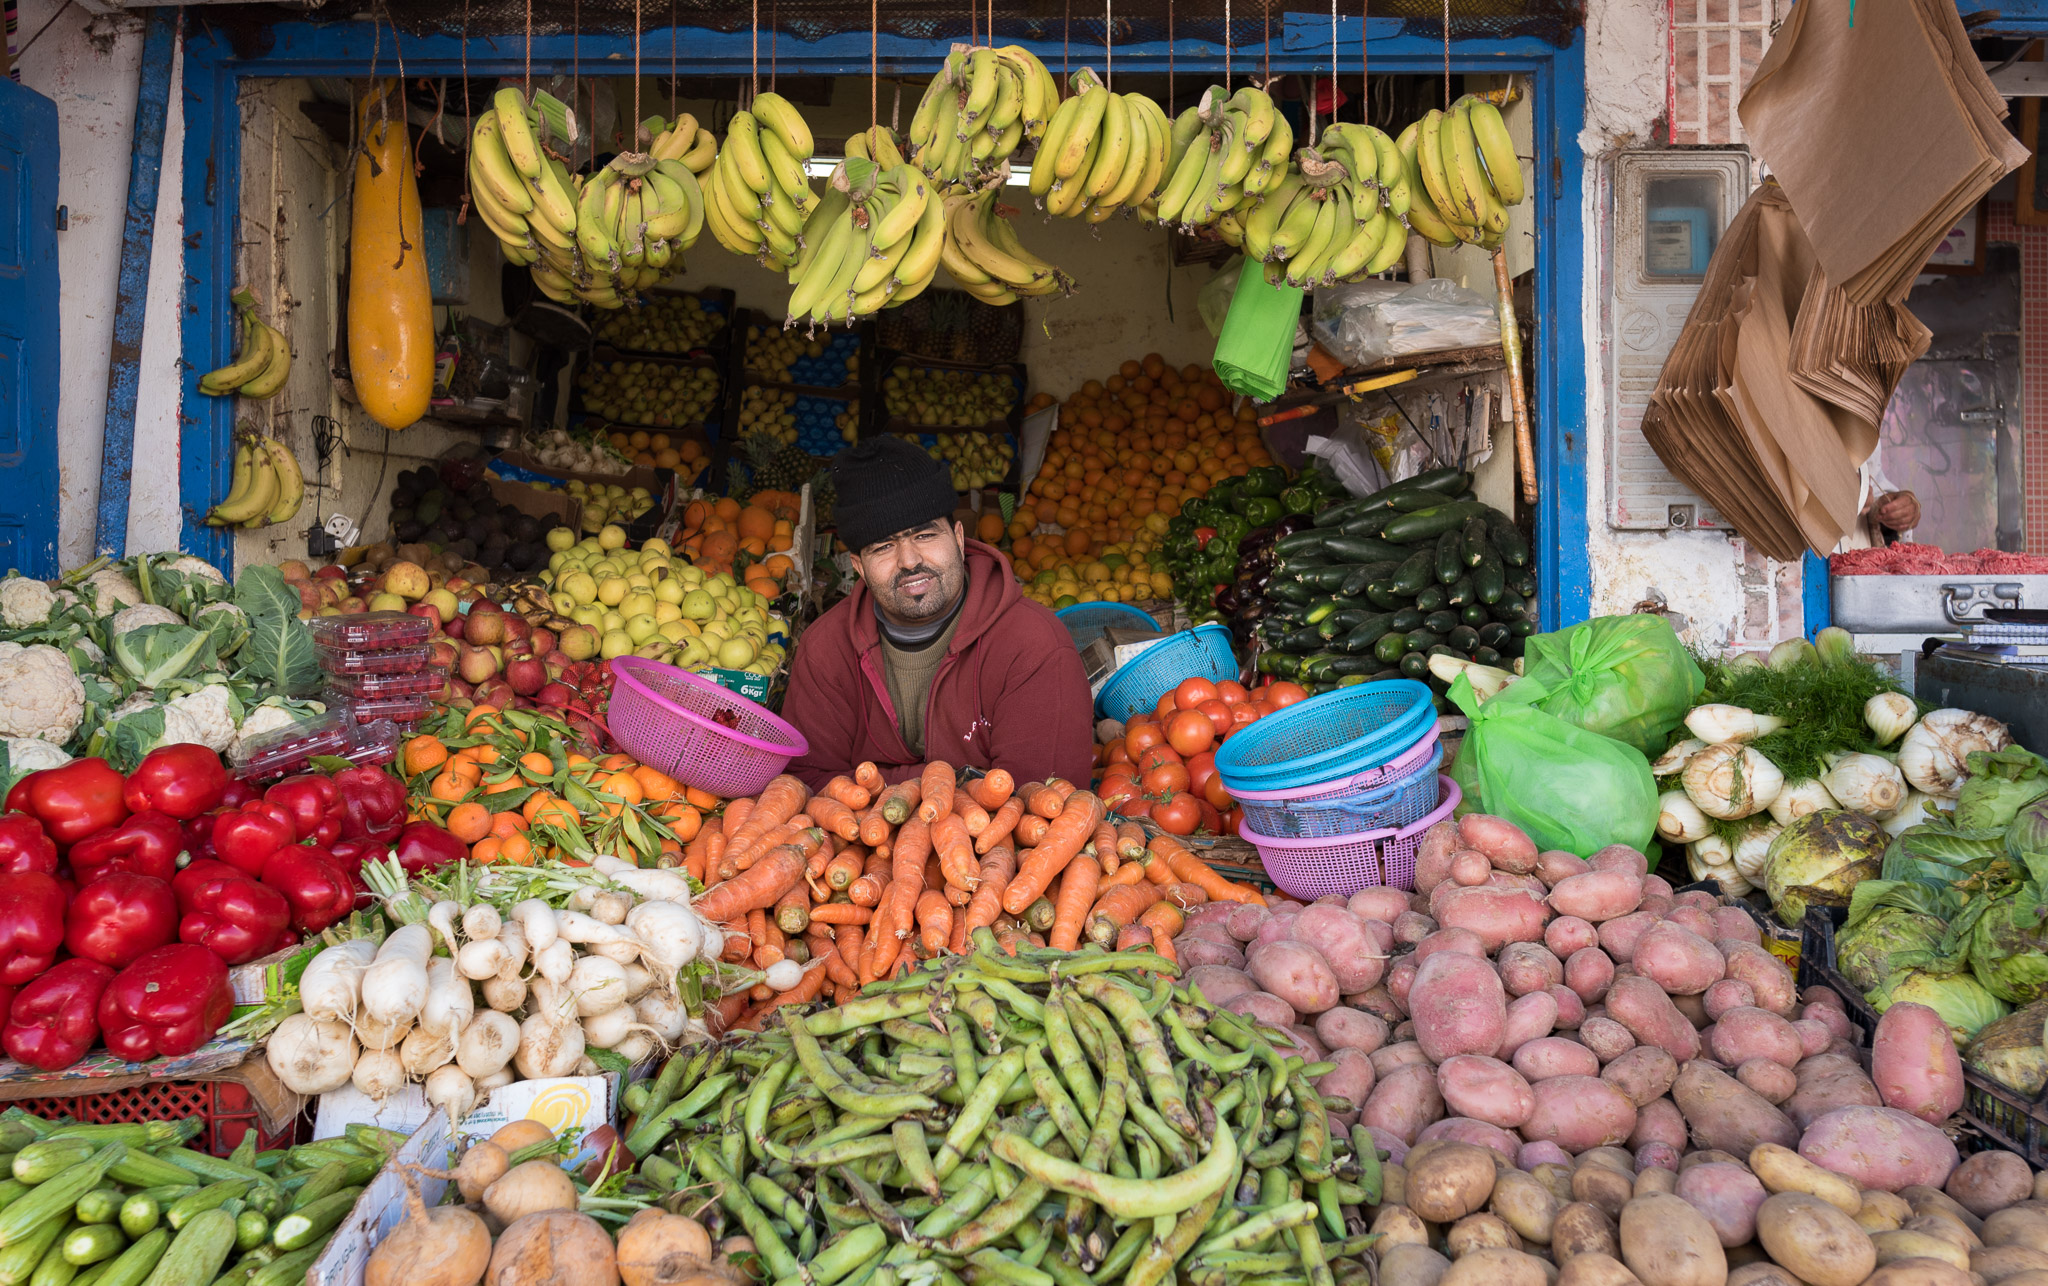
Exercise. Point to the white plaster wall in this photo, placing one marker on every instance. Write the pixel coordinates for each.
(89, 67)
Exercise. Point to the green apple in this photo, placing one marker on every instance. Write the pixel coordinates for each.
(735, 654)
(560, 538)
(670, 590)
(698, 605)
(589, 614)
(693, 653)
(580, 586)
(616, 643)
(666, 612)
(642, 627)
(674, 631)
(636, 603)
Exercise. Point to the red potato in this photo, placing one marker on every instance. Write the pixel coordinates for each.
(1831, 1017)
(1295, 972)
(1607, 1038)
(1469, 868)
(1820, 994)
(1589, 973)
(1554, 865)
(1465, 1129)
(1499, 916)
(1352, 1079)
(1733, 922)
(1771, 1081)
(1680, 961)
(1728, 1195)
(1219, 983)
(1403, 1102)
(1748, 1032)
(1597, 895)
(1620, 857)
(1343, 1029)
(1699, 900)
(1529, 1017)
(1211, 913)
(1879, 1147)
(1530, 884)
(1549, 1056)
(1571, 1009)
(1656, 886)
(1656, 905)
(1568, 933)
(1245, 919)
(1658, 1121)
(1214, 929)
(1378, 902)
(1641, 1006)
(1382, 935)
(1541, 1152)
(1727, 994)
(1657, 1156)
(1723, 1113)
(1618, 937)
(1528, 966)
(1412, 927)
(1352, 953)
(1695, 1012)
(1278, 927)
(1378, 1001)
(1579, 1112)
(1401, 1053)
(1914, 1064)
(1644, 1074)
(1400, 981)
(1815, 1036)
(1458, 1005)
(1485, 1089)
(1693, 920)
(1828, 1082)
(1433, 856)
(1463, 941)
(1197, 951)
(1767, 976)
(1264, 1007)
(1504, 843)
(1307, 1044)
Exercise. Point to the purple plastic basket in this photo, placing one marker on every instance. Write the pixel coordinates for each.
(696, 731)
(1393, 795)
(1343, 864)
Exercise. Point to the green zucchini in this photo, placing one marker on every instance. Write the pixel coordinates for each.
(1414, 666)
(52, 1200)
(1407, 619)
(1390, 648)
(18, 1262)
(210, 1197)
(300, 1227)
(1486, 655)
(1430, 599)
(101, 1205)
(139, 1214)
(54, 1270)
(1366, 633)
(1414, 574)
(200, 1249)
(1508, 539)
(1464, 638)
(40, 1162)
(288, 1269)
(251, 1230)
(1428, 524)
(1363, 549)
(1442, 622)
(1460, 592)
(1381, 594)
(93, 1242)
(1489, 577)
(1474, 541)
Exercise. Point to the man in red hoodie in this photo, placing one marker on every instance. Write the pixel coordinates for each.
(936, 654)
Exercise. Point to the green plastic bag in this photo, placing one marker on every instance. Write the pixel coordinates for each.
(1626, 677)
(1257, 343)
(1570, 789)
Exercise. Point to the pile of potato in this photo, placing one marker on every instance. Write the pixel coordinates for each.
(1584, 1078)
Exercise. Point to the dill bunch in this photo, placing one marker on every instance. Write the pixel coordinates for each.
(1820, 701)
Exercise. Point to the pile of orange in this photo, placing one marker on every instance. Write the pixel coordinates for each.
(716, 532)
(1129, 448)
(659, 451)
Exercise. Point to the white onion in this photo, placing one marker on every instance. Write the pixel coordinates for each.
(1798, 799)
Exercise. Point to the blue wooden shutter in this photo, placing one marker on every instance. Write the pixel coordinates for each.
(28, 331)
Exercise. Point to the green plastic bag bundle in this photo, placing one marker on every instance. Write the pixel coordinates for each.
(1570, 789)
(1626, 677)
(1257, 343)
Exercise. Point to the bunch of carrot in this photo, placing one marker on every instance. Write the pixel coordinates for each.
(863, 879)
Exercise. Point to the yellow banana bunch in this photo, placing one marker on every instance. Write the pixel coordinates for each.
(260, 365)
(267, 486)
(1337, 217)
(757, 194)
(979, 109)
(1222, 152)
(1463, 173)
(1102, 152)
(982, 253)
(682, 140)
(873, 241)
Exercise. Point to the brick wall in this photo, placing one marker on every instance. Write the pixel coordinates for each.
(1715, 46)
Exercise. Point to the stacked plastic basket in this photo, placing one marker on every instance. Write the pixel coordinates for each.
(1338, 790)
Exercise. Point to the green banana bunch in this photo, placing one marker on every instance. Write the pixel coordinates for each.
(1336, 217)
(260, 365)
(1464, 174)
(979, 109)
(266, 487)
(1102, 152)
(872, 241)
(1224, 151)
(757, 193)
(983, 255)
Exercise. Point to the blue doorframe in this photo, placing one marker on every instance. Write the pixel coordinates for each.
(1557, 362)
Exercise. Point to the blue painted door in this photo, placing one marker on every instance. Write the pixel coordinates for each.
(28, 331)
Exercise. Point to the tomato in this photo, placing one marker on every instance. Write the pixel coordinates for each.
(1158, 757)
(1117, 788)
(1231, 692)
(1212, 820)
(1215, 792)
(1283, 694)
(1139, 738)
(1165, 706)
(1190, 732)
(1200, 769)
(1179, 815)
(1233, 821)
(1219, 715)
(1166, 779)
(1116, 752)
(1134, 806)
(1193, 692)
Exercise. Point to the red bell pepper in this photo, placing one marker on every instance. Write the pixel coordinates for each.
(183, 780)
(246, 837)
(24, 846)
(373, 803)
(199, 835)
(31, 924)
(230, 914)
(55, 1019)
(146, 844)
(319, 886)
(314, 803)
(422, 846)
(166, 1004)
(238, 793)
(119, 916)
(71, 802)
(6, 1004)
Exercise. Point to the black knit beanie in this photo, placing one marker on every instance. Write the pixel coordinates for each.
(886, 484)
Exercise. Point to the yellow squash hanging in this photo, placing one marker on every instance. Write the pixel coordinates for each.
(390, 307)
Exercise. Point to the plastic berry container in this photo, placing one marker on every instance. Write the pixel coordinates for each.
(367, 631)
(386, 660)
(381, 687)
(372, 744)
(292, 749)
(405, 711)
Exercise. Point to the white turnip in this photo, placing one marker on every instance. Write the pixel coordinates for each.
(597, 984)
(450, 1089)
(505, 994)
(671, 936)
(531, 1187)
(481, 1166)
(536, 922)
(422, 1052)
(379, 1074)
(331, 987)
(487, 1043)
(311, 1056)
(450, 1002)
(395, 985)
(481, 922)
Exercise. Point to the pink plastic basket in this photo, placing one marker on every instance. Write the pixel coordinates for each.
(1344, 864)
(697, 732)
(1396, 794)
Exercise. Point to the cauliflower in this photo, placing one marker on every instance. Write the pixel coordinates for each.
(206, 716)
(134, 618)
(187, 565)
(262, 720)
(109, 590)
(30, 754)
(39, 694)
(226, 624)
(25, 602)
(86, 655)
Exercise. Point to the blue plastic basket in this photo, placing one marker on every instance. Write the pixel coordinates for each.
(1200, 653)
(1087, 621)
(1339, 808)
(1327, 737)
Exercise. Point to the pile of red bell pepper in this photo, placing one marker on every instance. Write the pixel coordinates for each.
(123, 901)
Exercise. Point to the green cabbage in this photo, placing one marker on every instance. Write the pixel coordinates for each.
(2009, 1051)
(1939, 853)
(2008, 944)
(1960, 999)
(1863, 953)
(2000, 783)
(1819, 860)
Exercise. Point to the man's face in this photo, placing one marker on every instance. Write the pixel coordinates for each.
(918, 575)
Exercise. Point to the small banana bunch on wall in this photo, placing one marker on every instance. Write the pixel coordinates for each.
(261, 363)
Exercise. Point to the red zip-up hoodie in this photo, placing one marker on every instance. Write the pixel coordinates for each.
(1010, 692)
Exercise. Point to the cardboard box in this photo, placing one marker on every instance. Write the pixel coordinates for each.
(540, 504)
(565, 1104)
(381, 1207)
(754, 687)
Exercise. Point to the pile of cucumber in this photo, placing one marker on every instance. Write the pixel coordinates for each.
(1380, 584)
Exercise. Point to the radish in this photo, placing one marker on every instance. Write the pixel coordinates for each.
(598, 985)
(481, 922)
(332, 984)
(536, 921)
(450, 1089)
(422, 1052)
(395, 985)
(672, 935)
(379, 1074)
(310, 1056)
(487, 1044)
(442, 917)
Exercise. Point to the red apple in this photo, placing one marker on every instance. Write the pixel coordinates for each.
(352, 605)
(543, 640)
(517, 628)
(486, 626)
(526, 675)
(455, 626)
(426, 611)
(333, 571)
(496, 692)
(476, 664)
(445, 653)
(462, 691)
(555, 695)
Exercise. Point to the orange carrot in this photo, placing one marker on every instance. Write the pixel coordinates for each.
(1130, 841)
(848, 792)
(1186, 866)
(757, 925)
(935, 786)
(970, 812)
(834, 816)
(730, 1010)
(1183, 894)
(740, 854)
(957, 895)
(1135, 937)
(845, 948)
(1127, 873)
(806, 990)
(997, 866)
(778, 801)
(1009, 937)
(1031, 830)
(956, 852)
(1165, 921)
(934, 922)
(736, 814)
(864, 967)
(761, 886)
(1045, 802)
(837, 913)
(1000, 824)
(957, 944)
(844, 869)
(1063, 839)
(913, 849)
(899, 905)
(867, 890)
(1076, 896)
(793, 910)
(898, 804)
(1103, 842)
(993, 789)
(714, 858)
(1157, 871)
(772, 948)
(1036, 940)
(1118, 907)
(868, 777)
(695, 851)
(737, 945)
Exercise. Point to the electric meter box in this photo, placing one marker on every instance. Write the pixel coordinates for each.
(1668, 213)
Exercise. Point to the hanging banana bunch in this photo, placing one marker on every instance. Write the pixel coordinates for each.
(267, 486)
(1338, 216)
(1102, 152)
(1226, 148)
(757, 194)
(979, 109)
(982, 252)
(682, 140)
(262, 362)
(877, 143)
(1465, 174)
(873, 241)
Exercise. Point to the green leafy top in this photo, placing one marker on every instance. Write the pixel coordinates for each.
(279, 652)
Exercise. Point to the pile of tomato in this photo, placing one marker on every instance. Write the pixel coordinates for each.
(1164, 765)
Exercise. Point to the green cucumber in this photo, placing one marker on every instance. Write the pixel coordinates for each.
(1508, 539)
(1431, 599)
(1475, 541)
(1300, 542)
(1409, 502)
(1464, 638)
(1489, 577)
(1414, 666)
(1423, 640)
(1428, 524)
(1460, 592)
(1521, 629)
(1338, 514)
(1523, 583)
(1363, 549)
(1390, 647)
(1492, 633)
(1450, 557)
(1408, 618)
(1365, 574)
(1486, 655)
(1361, 667)
(1474, 615)
(1339, 623)
(1369, 524)
(1414, 574)
(1366, 633)
(1287, 591)
(1440, 622)
(1381, 594)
